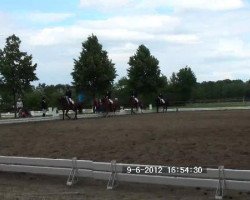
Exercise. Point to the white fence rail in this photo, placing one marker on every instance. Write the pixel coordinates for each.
(122, 112)
(232, 179)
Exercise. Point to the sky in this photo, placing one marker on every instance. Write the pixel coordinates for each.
(210, 36)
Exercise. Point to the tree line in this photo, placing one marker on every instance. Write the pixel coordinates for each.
(94, 74)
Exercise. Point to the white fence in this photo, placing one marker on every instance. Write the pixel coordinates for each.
(214, 178)
(88, 114)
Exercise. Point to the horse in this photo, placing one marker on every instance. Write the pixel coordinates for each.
(135, 104)
(66, 106)
(108, 106)
(161, 102)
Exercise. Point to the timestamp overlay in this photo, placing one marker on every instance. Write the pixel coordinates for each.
(158, 170)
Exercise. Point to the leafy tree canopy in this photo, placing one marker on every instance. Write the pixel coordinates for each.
(183, 83)
(93, 72)
(144, 74)
(16, 68)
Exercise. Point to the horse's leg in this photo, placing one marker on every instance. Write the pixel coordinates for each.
(63, 113)
(133, 110)
(67, 114)
(107, 113)
(115, 108)
(107, 110)
(75, 113)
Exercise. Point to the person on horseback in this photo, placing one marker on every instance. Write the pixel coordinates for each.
(160, 96)
(68, 95)
(108, 96)
(19, 106)
(134, 96)
(44, 106)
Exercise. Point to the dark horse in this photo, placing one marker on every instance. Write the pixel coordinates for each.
(69, 106)
(161, 102)
(135, 103)
(108, 106)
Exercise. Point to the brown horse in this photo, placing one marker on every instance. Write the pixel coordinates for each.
(135, 103)
(66, 106)
(108, 106)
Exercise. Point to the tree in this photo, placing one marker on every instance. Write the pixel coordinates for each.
(93, 72)
(122, 91)
(144, 74)
(183, 82)
(16, 68)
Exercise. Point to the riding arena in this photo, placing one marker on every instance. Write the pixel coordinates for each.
(209, 139)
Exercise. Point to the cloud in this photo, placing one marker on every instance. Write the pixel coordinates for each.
(182, 38)
(228, 51)
(151, 23)
(133, 28)
(233, 47)
(213, 5)
(45, 18)
(105, 5)
(114, 5)
(212, 37)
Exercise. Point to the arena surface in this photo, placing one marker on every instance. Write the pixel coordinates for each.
(207, 138)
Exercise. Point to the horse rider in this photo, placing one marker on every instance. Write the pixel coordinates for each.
(68, 95)
(108, 96)
(160, 96)
(44, 106)
(134, 96)
(19, 105)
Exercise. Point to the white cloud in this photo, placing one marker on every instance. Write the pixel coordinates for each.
(48, 17)
(105, 4)
(151, 23)
(214, 43)
(114, 5)
(213, 5)
(233, 47)
(182, 38)
(125, 47)
(133, 28)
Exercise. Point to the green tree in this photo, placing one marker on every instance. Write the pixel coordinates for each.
(32, 99)
(144, 74)
(122, 91)
(16, 68)
(183, 83)
(93, 72)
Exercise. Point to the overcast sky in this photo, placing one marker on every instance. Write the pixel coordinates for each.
(210, 36)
